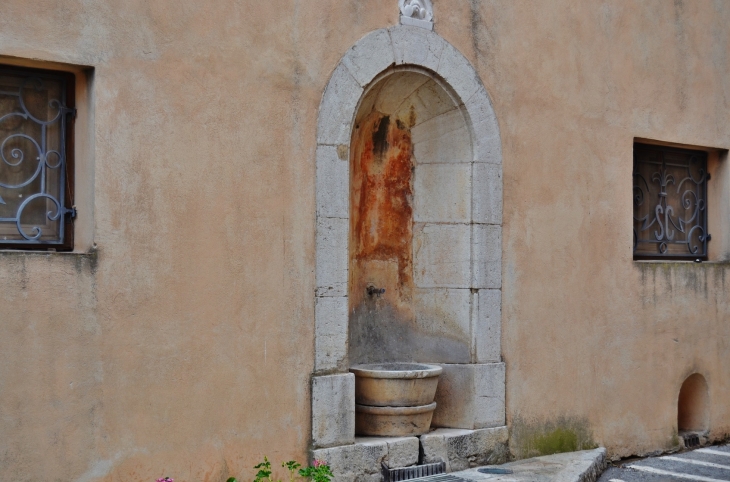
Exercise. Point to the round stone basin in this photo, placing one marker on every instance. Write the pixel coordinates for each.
(395, 384)
(393, 421)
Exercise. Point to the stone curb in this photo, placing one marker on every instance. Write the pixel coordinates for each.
(583, 466)
(590, 473)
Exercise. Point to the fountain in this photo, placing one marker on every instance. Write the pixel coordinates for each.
(409, 189)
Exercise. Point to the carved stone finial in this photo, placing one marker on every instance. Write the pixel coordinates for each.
(418, 13)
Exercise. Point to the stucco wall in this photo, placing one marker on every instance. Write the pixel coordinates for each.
(593, 341)
(182, 345)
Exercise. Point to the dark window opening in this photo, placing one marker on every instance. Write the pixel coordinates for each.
(36, 158)
(670, 203)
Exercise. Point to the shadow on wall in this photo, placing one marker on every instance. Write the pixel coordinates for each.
(693, 405)
(379, 333)
(564, 434)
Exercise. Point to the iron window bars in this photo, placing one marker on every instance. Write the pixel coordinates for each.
(36, 155)
(670, 203)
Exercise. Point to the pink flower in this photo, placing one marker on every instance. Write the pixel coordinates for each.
(318, 463)
(165, 479)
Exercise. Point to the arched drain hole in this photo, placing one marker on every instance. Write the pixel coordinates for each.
(693, 406)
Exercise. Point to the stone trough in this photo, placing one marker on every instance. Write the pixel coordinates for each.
(394, 399)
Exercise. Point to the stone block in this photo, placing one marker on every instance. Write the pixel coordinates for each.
(332, 257)
(443, 138)
(413, 45)
(330, 327)
(458, 72)
(442, 255)
(489, 388)
(430, 100)
(444, 312)
(487, 193)
(442, 193)
(333, 184)
(402, 452)
(416, 22)
(470, 396)
(333, 410)
(462, 449)
(338, 107)
(395, 91)
(487, 141)
(488, 325)
(362, 460)
(369, 56)
(487, 252)
(355, 463)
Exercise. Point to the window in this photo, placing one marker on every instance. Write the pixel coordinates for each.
(36, 158)
(670, 203)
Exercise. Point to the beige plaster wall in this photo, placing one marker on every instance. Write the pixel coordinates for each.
(182, 344)
(597, 345)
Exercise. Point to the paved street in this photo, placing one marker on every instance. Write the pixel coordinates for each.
(709, 464)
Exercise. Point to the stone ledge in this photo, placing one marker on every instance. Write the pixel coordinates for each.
(462, 449)
(583, 466)
(361, 461)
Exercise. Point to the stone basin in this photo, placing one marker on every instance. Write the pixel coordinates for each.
(393, 421)
(395, 384)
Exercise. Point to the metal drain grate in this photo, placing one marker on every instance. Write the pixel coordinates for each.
(439, 478)
(418, 472)
(691, 440)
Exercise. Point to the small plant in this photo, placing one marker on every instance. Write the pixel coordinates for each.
(319, 472)
(264, 473)
(292, 467)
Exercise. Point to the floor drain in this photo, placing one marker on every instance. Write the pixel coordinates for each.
(439, 478)
(493, 470)
(413, 473)
(691, 440)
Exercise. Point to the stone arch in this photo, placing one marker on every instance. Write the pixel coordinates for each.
(371, 57)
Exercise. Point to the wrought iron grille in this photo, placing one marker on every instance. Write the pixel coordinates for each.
(34, 125)
(670, 203)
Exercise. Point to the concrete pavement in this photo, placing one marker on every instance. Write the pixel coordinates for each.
(708, 464)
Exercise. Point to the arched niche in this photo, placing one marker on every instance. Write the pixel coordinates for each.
(404, 57)
(693, 405)
(410, 222)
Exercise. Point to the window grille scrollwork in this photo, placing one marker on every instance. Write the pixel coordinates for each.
(670, 203)
(34, 121)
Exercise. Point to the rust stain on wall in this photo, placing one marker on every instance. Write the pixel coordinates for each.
(382, 212)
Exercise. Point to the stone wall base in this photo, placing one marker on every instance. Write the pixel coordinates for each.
(462, 449)
(459, 448)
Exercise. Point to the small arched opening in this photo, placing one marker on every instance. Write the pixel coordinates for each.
(693, 406)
